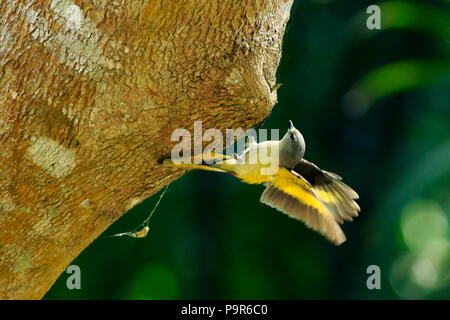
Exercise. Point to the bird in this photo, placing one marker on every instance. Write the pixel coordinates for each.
(297, 187)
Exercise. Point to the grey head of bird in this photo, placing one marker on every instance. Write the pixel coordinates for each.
(291, 148)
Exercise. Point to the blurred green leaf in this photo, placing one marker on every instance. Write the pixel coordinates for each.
(154, 281)
(403, 75)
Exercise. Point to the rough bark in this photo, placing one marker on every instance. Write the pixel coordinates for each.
(90, 92)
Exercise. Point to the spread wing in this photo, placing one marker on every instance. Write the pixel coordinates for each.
(336, 194)
(293, 195)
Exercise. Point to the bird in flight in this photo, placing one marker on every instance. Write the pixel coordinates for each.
(297, 187)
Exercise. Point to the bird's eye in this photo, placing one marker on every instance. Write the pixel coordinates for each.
(292, 137)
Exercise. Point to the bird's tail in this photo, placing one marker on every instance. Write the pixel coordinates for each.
(210, 162)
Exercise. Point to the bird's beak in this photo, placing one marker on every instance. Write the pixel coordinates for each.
(291, 125)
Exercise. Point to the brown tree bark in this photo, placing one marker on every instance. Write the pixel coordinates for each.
(90, 92)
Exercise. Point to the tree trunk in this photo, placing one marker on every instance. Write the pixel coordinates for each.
(90, 92)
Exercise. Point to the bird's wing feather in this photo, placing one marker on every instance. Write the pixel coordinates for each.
(336, 194)
(292, 195)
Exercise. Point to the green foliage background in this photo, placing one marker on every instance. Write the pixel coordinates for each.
(373, 106)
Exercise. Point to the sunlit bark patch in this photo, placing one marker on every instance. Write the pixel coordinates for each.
(54, 158)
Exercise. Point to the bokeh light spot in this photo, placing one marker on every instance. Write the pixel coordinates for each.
(421, 222)
(424, 273)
